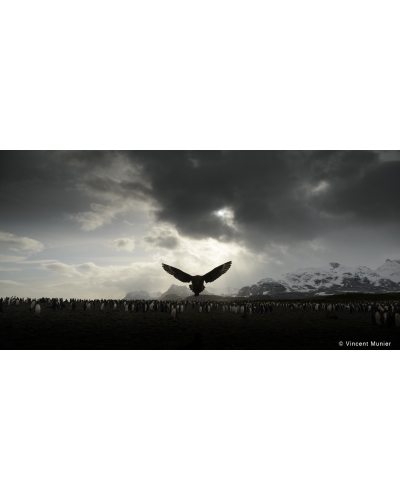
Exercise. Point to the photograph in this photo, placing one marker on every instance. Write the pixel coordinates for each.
(199, 250)
(208, 249)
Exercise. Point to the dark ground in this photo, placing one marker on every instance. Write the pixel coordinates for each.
(280, 329)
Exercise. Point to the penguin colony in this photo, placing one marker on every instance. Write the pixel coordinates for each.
(383, 313)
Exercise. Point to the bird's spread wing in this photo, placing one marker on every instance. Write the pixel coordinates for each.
(217, 272)
(177, 273)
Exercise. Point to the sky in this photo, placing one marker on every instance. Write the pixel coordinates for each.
(99, 224)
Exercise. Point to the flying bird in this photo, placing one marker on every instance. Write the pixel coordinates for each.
(197, 285)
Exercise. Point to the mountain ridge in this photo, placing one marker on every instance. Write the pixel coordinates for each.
(335, 279)
(310, 281)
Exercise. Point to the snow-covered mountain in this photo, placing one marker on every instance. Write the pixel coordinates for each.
(229, 291)
(183, 291)
(333, 279)
(390, 270)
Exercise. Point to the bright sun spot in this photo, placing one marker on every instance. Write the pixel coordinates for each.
(227, 216)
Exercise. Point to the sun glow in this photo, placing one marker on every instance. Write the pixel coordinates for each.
(227, 215)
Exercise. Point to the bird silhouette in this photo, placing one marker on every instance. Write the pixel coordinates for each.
(197, 285)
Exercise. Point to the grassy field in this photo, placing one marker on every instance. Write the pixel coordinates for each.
(280, 329)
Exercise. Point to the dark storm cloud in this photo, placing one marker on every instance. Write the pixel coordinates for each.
(269, 196)
(191, 187)
(35, 185)
(44, 168)
(372, 196)
(42, 187)
(274, 196)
